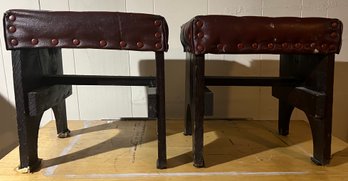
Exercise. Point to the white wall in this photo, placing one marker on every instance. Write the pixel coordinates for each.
(113, 102)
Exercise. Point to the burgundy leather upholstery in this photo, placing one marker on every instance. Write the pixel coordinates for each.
(220, 34)
(106, 30)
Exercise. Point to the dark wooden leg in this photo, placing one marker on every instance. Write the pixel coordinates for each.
(198, 109)
(28, 129)
(33, 98)
(321, 133)
(161, 119)
(54, 65)
(188, 95)
(59, 111)
(28, 126)
(284, 115)
(313, 95)
(321, 124)
(287, 68)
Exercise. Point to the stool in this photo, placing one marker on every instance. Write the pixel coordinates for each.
(36, 38)
(307, 48)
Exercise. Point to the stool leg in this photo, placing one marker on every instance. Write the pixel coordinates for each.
(188, 95)
(161, 120)
(28, 129)
(61, 120)
(284, 115)
(321, 133)
(198, 109)
(28, 126)
(321, 126)
(313, 94)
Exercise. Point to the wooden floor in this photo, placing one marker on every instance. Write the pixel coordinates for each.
(127, 150)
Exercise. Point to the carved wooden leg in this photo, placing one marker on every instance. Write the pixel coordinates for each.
(161, 119)
(284, 115)
(321, 133)
(188, 95)
(61, 120)
(198, 110)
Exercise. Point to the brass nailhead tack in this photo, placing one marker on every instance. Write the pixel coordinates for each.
(334, 24)
(333, 35)
(158, 35)
(12, 29)
(240, 45)
(102, 43)
(34, 41)
(12, 17)
(54, 41)
(270, 45)
(255, 45)
(298, 45)
(285, 45)
(140, 44)
(312, 45)
(200, 35)
(157, 23)
(158, 45)
(200, 48)
(199, 23)
(76, 41)
(123, 44)
(14, 41)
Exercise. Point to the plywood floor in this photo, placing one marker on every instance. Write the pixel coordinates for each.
(126, 150)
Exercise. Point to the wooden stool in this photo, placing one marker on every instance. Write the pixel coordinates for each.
(36, 39)
(307, 48)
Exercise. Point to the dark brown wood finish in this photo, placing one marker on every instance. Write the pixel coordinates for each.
(40, 85)
(314, 96)
(29, 66)
(99, 80)
(305, 82)
(198, 109)
(152, 102)
(161, 124)
(188, 94)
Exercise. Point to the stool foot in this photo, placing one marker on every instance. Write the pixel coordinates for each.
(199, 164)
(59, 111)
(320, 162)
(321, 133)
(29, 169)
(161, 163)
(28, 129)
(64, 134)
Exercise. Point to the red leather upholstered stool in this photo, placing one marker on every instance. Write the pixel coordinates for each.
(36, 39)
(307, 48)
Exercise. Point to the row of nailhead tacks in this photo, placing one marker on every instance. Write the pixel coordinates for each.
(271, 45)
(76, 41)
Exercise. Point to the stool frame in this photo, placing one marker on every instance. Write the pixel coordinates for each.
(40, 84)
(307, 48)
